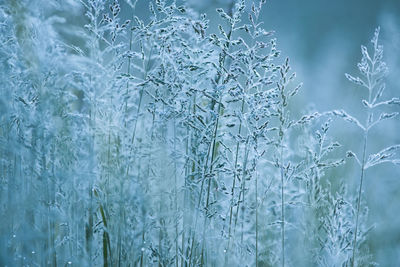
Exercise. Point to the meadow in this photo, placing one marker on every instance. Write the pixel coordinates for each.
(129, 141)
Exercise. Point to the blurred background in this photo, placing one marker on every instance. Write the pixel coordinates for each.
(323, 38)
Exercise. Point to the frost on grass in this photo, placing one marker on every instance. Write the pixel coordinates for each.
(139, 142)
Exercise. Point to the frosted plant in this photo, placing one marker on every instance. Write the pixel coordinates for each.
(373, 70)
(130, 141)
(327, 221)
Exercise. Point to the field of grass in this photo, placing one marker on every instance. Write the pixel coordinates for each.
(159, 142)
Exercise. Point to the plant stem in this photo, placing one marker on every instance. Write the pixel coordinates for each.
(366, 128)
(213, 155)
(233, 185)
(176, 200)
(282, 207)
(243, 185)
(359, 198)
(256, 188)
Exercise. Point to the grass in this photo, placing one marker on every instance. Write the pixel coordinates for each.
(158, 142)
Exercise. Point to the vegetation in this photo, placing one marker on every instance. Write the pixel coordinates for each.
(130, 142)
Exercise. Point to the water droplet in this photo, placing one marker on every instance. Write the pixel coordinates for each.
(69, 263)
(14, 236)
(33, 252)
(224, 250)
(142, 249)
